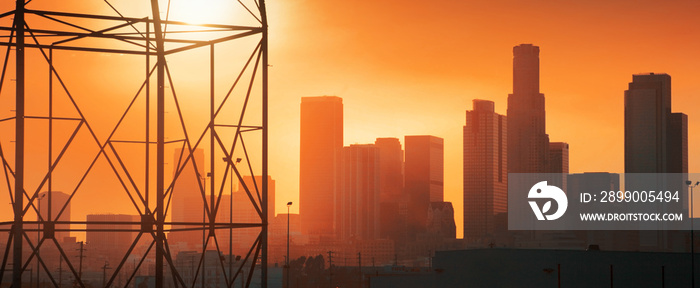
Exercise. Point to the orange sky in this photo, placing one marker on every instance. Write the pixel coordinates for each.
(413, 67)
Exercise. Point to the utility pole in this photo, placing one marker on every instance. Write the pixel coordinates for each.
(104, 273)
(330, 269)
(78, 281)
(80, 262)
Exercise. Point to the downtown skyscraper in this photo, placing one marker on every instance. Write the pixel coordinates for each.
(51, 204)
(243, 211)
(656, 140)
(321, 136)
(485, 170)
(357, 193)
(188, 199)
(391, 168)
(393, 206)
(558, 163)
(110, 246)
(528, 142)
(424, 178)
(529, 150)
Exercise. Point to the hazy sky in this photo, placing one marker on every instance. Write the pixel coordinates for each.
(414, 67)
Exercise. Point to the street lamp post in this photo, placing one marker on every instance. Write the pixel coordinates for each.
(692, 234)
(289, 204)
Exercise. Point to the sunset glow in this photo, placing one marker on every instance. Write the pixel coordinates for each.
(403, 68)
(180, 141)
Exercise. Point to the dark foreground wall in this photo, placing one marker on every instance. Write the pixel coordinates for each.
(549, 268)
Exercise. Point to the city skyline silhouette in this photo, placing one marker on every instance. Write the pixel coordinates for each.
(399, 69)
(595, 63)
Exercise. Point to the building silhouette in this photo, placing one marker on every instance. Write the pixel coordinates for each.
(278, 238)
(528, 142)
(441, 220)
(647, 112)
(485, 171)
(245, 212)
(393, 205)
(321, 135)
(52, 203)
(678, 143)
(188, 199)
(656, 142)
(558, 163)
(423, 179)
(110, 247)
(655, 139)
(357, 193)
(558, 157)
(390, 168)
(529, 149)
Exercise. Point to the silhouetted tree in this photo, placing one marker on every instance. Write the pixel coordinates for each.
(308, 272)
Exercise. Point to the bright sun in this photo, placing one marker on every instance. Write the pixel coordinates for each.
(209, 11)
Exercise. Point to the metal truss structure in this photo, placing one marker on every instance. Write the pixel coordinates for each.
(43, 36)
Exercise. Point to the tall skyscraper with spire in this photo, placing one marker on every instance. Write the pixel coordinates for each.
(529, 150)
(528, 142)
(321, 135)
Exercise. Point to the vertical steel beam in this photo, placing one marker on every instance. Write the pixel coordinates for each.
(160, 143)
(212, 148)
(264, 47)
(19, 148)
(147, 140)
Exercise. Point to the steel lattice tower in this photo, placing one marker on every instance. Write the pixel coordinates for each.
(35, 34)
